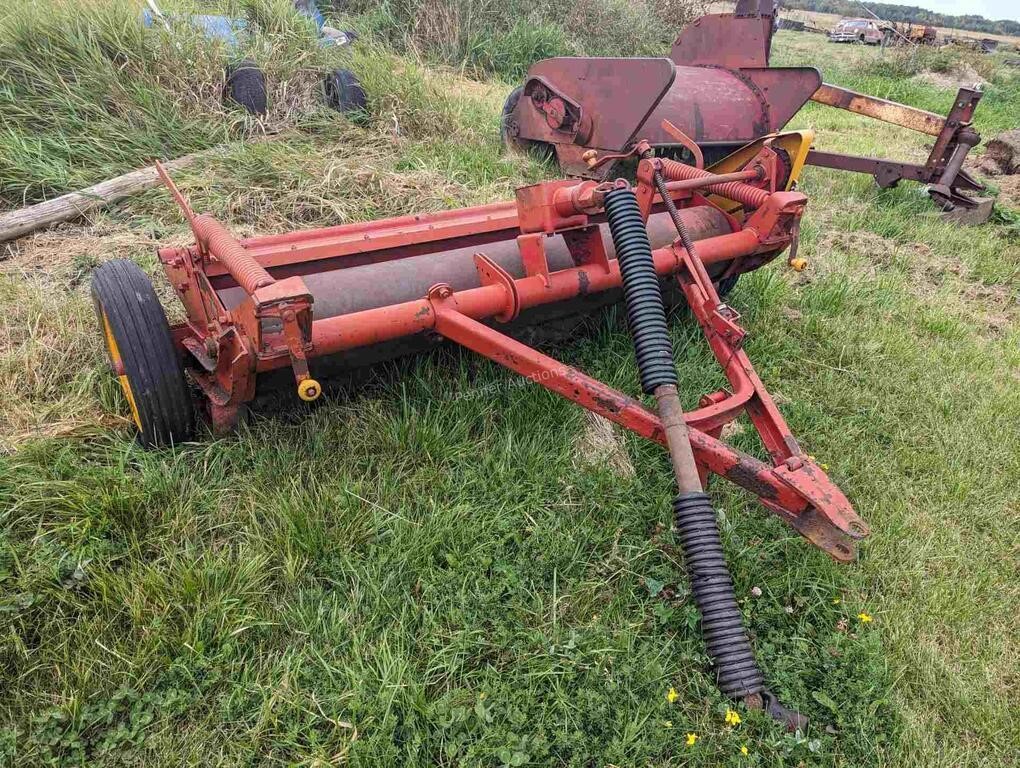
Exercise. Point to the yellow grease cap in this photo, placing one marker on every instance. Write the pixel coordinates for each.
(309, 390)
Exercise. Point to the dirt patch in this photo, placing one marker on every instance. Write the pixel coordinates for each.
(994, 306)
(923, 262)
(1004, 151)
(878, 249)
(1001, 164)
(1001, 156)
(600, 445)
(879, 252)
(1009, 191)
(963, 75)
(998, 305)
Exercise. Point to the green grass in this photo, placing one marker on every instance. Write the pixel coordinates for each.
(86, 92)
(411, 574)
(505, 38)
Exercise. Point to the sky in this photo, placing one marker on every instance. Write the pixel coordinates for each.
(990, 9)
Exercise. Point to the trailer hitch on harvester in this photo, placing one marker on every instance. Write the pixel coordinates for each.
(360, 293)
(725, 94)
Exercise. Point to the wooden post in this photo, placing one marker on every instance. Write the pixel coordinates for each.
(73, 205)
(76, 204)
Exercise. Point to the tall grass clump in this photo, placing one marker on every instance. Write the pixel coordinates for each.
(907, 61)
(87, 91)
(506, 37)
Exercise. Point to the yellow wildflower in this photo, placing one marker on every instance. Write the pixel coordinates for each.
(835, 601)
(672, 695)
(667, 724)
(743, 750)
(864, 617)
(732, 718)
(691, 739)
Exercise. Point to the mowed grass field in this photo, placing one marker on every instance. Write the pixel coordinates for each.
(445, 566)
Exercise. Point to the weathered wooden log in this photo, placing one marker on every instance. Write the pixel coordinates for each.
(73, 205)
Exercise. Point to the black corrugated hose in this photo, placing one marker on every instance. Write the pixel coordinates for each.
(722, 624)
(728, 646)
(646, 315)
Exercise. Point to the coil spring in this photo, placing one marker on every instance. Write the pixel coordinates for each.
(242, 266)
(646, 315)
(731, 190)
(722, 625)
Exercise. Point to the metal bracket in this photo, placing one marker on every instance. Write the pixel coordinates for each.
(686, 141)
(723, 320)
(532, 248)
(490, 273)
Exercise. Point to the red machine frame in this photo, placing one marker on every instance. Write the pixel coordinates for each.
(274, 326)
(722, 92)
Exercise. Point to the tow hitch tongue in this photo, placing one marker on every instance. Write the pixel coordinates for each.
(737, 672)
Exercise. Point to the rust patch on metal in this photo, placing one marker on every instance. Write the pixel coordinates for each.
(915, 119)
(582, 283)
(606, 403)
(747, 477)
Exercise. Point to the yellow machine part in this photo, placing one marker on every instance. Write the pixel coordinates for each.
(309, 390)
(113, 350)
(796, 144)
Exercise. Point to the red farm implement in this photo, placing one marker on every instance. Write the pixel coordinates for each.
(723, 95)
(360, 293)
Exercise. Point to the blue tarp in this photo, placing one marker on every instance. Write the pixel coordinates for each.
(228, 30)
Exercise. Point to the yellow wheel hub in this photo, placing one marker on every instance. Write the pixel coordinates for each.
(118, 367)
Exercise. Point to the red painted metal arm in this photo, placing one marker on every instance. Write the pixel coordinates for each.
(798, 491)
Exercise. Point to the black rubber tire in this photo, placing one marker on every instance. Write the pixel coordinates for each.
(540, 149)
(123, 293)
(343, 92)
(246, 85)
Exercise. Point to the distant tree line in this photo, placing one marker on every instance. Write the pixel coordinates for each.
(908, 14)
